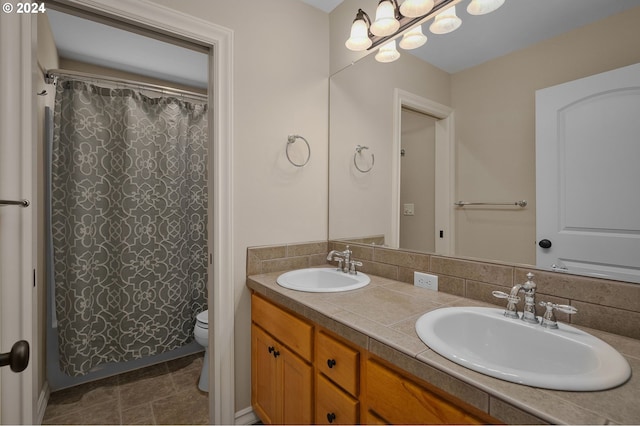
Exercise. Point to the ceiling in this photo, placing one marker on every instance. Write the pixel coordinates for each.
(88, 41)
(517, 24)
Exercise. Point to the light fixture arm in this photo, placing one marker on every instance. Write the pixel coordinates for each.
(396, 8)
(362, 15)
(406, 22)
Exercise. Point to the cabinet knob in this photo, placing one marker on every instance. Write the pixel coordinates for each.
(271, 349)
(331, 417)
(276, 354)
(331, 362)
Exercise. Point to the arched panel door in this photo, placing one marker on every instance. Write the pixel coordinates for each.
(588, 175)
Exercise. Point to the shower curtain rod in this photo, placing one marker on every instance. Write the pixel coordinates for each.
(52, 75)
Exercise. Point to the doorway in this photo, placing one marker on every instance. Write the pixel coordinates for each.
(442, 118)
(418, 181)
(218, 41)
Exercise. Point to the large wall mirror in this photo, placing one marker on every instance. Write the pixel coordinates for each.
(478, 125)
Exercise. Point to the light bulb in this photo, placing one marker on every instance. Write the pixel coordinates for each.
(386, 22)
(359, 39)
(388, 52)
(445, 22)
(416, 8)
(482, 7)
(413, 39)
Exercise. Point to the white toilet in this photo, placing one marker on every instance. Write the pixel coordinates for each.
(201, 333)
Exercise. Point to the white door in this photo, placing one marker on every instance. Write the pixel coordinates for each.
(588, 175)
(16, 157)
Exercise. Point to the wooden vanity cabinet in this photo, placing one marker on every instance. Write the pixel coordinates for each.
(333, 381)
(281, 379)
(337, 380)
(394, 397)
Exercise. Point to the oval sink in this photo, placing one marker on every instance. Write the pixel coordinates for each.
(322, 280)
(484, 340)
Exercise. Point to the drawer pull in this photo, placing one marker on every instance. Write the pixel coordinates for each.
(331, 362)
(331, 417)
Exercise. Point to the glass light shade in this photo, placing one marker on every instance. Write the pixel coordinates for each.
(413, 39)
(445, 22)
(415, 8)
(386, 22)
(359, 39)
(482, 7)
(387, 52)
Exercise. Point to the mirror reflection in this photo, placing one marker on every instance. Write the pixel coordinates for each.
(483, 150)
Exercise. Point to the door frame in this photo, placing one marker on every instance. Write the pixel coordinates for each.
(445, 177)
(219, 40)
(18, 132)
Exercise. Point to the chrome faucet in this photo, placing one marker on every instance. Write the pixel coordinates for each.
(529, 310)
(529, 290)
(344, 260)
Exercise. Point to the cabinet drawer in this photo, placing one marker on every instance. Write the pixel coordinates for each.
(333, 405)
(401, 401)
(339, 362)
(290, 330)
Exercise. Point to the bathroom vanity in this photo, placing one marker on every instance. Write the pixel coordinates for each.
(354, 357)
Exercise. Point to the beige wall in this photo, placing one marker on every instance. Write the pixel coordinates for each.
(362, 114)
(281, 65)
(495, 129)
(47, 58)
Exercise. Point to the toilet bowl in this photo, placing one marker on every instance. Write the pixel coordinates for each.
(201, 333)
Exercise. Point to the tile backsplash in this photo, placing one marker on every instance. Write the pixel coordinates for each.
(611, 306)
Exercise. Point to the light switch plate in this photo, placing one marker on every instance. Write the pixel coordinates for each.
(409, 209)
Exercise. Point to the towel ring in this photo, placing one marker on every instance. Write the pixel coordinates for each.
(292, 139)
(359, 149)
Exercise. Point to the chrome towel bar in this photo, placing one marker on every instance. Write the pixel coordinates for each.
(21, 203)
(521, 203)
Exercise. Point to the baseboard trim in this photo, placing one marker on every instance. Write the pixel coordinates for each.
(246, 416)
(43, 400)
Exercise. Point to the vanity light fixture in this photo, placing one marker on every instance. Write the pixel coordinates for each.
(482, 7)
(416, 8)
(407, 19)
(413, 38)
(446, 22)
(386, 22)
(359, 39)
(388, 52)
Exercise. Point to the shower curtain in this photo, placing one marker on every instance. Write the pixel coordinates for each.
(128, 222)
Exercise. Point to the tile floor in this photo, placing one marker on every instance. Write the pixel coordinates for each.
(165, 393)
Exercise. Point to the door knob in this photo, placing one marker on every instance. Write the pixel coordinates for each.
(545, 244)
(18, 358)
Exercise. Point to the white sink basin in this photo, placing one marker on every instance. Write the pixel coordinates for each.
(322, 280)
(483, 340)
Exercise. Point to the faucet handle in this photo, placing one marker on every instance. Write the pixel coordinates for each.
(549, 319)
(353, 264)
(503, 295)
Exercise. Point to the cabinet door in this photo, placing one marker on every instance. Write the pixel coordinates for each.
(333, 405)
(265, 382)
(296, 388)
(401, 401)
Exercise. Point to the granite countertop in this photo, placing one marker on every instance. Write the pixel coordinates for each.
(381, 317)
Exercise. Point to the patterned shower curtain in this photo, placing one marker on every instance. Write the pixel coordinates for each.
(129, 215)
